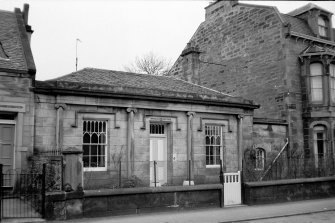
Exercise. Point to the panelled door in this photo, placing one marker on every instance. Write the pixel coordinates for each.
(7, 146)
(158, 154)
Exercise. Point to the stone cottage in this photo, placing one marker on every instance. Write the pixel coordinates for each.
(284, 62)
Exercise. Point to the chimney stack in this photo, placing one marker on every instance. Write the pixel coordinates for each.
(191, 64)
(25, 15)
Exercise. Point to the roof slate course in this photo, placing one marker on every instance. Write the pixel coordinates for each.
(93, 79)
(11, 43)
(298, 25)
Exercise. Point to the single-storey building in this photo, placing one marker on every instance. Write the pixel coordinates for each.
(135, 119)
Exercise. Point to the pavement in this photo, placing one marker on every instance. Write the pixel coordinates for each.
(240, 213)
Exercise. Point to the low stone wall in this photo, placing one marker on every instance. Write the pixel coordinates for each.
(288, 190)
(91, 203)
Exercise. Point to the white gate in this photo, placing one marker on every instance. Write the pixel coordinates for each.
(232, 188)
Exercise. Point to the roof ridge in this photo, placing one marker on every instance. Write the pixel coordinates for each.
(2, 10)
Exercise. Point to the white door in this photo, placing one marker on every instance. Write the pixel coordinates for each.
(158, 157)
(7, 146)
(232, 188)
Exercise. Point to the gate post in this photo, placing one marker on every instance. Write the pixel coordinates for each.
(43, 189)
(1, 191)
(73, 171)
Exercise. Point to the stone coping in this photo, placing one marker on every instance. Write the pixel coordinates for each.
(143, 190)
(289, 181)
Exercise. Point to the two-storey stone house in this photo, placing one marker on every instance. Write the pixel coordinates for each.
(284, 62)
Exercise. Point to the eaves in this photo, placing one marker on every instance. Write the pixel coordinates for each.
(122, 95)
(311, 38)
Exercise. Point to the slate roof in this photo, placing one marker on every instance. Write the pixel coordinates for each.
(16, 53)
(298, 25)
(306, 8)
(119, 82)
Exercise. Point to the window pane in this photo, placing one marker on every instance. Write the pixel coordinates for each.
(321, 21)
(211, 161)
(316, 82)
(101, 150)
(86, 138)
(332, 70)
(316, 69)
(94, 150)
(316, 88)
(207, 140)
(94, 161)
(94, 138)
(86, 161)
(84, 126)
(102, 138)
(218, 140)
(86, 150)
(217, 161)
(101, 161)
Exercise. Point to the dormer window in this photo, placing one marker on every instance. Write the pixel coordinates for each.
(323, 26)
(316, 82)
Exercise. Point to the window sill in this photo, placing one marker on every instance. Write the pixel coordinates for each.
(212, 166)
(94, 169)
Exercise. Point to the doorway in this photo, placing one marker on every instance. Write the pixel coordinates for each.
(7, 146)
(158, 154)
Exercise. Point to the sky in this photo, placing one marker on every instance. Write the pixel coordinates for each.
(114, 32)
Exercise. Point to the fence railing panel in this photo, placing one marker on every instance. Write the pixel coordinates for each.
(290, 168)
(22, 194)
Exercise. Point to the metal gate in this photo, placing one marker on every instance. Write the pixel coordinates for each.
(22, 195)
(232, 188)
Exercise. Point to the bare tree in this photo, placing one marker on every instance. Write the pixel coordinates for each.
(149, 64)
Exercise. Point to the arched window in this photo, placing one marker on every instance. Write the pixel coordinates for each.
(319, 137)
(260, 159)
(332, 81)
(316, 82)
(323, 28)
